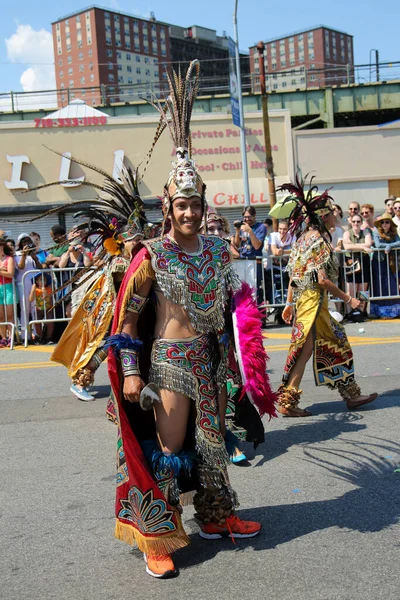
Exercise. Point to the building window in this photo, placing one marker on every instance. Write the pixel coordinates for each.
(111, 77)
(78, 19)
(110, 66)
(61, 74)
(138, 70)
(120, 79)
(126, 20)
(81, 68)
(117, 31)
(108, 28)
(109, 52)
(89, 40)
(146, 60)
(129, 69)
(294, 81)
(163, 52)
(60, 63)
(118, 43)
(82, 80)
(284, 84)
(91, 77)
(90, 52)
(292, 61)
(80, 44)
(302, 79)
(119, 67)
(273, 66)
(128, 56)
(108, 41)
(137, 58)
(312, 77)
(80, 55)
(106, 15)
(90, 66)
(283, 64)
(311, 55)
(130, 80)
(119, 54)
(71, 83)
(68, 47)
(275, 86)
(138, 81)
(147, 72)
(70, 71)
(127, 42)
(58, 26)
(69, 60)
(312, 66)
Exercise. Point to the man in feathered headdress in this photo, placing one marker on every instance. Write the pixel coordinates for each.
(170, 332)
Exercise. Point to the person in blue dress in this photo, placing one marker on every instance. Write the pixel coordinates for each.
(385, 268)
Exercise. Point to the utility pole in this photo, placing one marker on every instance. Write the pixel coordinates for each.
(377, 64)
(267, 134)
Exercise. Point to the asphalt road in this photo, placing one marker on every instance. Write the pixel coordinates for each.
(325, 489)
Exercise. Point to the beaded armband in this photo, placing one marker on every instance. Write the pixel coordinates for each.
(136, 303)
(129, 362)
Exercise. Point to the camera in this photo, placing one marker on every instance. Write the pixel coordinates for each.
(238, 223)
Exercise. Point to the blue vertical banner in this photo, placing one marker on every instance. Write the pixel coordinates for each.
(233, 84)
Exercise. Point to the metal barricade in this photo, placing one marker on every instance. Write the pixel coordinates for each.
(7, 320)
(53, 278)
(376, 272)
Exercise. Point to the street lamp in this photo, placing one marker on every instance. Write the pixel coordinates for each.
(240, 99)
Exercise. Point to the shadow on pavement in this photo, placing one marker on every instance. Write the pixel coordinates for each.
(372, 506)
(304, 431)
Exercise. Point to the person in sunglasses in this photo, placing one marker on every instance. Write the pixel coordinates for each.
(357, 269)
(385, 268)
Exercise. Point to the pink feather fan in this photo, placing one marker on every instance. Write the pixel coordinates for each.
(252, 357)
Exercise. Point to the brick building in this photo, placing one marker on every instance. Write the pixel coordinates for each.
(212, 50)
(317, 57)
(96, 47)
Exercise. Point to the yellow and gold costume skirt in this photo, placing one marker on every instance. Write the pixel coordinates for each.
(88, 326)
(333, 357)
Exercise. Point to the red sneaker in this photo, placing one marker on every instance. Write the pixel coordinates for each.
(161, 566)
(233, 527)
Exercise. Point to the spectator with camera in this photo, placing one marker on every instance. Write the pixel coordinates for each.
(248, 240)
(25, 260)
(58, 235)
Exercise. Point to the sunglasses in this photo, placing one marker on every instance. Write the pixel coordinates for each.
(366, 213)
(354, 222)
(386, 222)
(354, 209)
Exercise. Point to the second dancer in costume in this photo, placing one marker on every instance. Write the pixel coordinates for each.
(313, 268)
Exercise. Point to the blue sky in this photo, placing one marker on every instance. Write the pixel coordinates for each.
(373, 25)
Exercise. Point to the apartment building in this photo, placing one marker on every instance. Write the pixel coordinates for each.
(316, 57)
(103, 55)
(189, 43)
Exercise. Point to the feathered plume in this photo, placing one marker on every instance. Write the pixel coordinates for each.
(308, 204)
(176, 112)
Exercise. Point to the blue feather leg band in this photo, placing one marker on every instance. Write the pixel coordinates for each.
(123, 341)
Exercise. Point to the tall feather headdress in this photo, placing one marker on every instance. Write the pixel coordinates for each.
(310, 206)
(175, 113)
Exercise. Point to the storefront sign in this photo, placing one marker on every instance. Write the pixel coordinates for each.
(72, 122)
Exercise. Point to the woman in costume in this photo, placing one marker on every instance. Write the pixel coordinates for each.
(385, 269)
(312, 269)
(169, 332)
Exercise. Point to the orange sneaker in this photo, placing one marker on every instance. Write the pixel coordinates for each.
(233, 527)
(161, 566)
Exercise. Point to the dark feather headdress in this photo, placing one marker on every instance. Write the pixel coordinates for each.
(310, 206)
(175, 114)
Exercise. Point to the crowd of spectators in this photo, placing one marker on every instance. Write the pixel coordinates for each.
(368, 250)
(29, 278)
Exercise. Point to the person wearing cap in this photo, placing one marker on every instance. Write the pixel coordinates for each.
(25, 260)
(389, 204)
(385, 268)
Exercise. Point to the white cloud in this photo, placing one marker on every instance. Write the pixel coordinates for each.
(34, 48)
